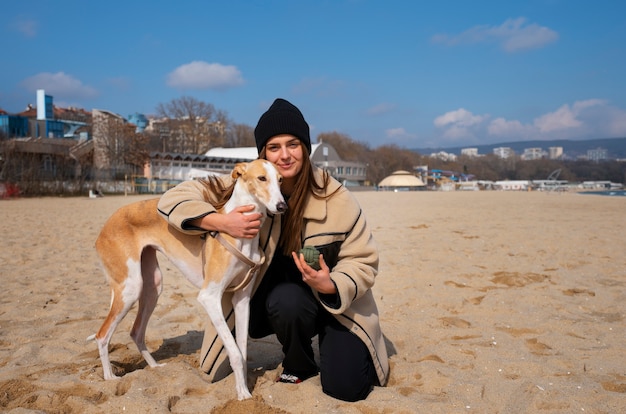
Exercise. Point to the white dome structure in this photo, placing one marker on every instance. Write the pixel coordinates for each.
(401, 181)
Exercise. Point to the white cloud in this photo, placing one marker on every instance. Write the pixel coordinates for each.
(598, 117)
(565, 117)
(562, 118)
(460, 124)
(457, 133)
(513, 35)
(60, 85)
(27, 27)
(502, 127)
(203, 75)
(591, 118)
(461, 117)
(617, 123)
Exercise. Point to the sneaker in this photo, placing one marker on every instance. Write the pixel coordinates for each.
(288, 379)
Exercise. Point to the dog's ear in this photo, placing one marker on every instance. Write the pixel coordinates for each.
(239, 170)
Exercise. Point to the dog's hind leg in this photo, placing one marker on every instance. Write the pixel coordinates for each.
(123, 297)
(211, 299)
(152, 288)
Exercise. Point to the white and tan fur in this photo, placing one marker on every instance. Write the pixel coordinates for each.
(128, 245)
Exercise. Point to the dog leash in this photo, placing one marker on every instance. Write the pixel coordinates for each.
(253, 266)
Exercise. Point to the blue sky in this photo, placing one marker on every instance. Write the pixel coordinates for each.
(411, 73)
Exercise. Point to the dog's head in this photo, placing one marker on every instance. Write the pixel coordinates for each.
(262, 181)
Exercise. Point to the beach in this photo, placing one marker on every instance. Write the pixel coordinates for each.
(491, 302)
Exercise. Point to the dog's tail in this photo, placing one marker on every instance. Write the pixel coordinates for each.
(91, 338)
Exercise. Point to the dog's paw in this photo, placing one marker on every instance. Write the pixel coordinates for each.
(243, 393)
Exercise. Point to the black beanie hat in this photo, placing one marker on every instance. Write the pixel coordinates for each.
(282, 118)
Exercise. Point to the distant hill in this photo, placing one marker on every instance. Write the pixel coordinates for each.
(616, 147)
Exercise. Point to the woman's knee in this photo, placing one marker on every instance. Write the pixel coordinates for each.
(346, 369)
(351, 379)
(353, 389)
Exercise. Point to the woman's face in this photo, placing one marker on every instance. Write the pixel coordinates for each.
(286, 152)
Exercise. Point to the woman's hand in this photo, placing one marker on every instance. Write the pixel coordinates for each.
(317, 279)
(239, 223)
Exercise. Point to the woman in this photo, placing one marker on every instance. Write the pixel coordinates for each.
(292, 299)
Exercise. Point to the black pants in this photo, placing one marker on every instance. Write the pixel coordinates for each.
(289, 309)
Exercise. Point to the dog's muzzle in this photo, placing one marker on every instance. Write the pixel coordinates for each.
(281, 207)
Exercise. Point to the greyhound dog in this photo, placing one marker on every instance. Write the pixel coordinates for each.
(128, 245)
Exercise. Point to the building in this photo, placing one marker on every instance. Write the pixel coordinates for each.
(503, 152)
(444, 156)
(512, 185)
(69, 144)
(46, 149)
(401, 181)
(46, 121)
(555, 153)
(533, 154)
(13, 126)
(598, 154)
(139, 120)
(469, 152)
(42, 123)
(179, 167)
(112, 135)
(347, 172)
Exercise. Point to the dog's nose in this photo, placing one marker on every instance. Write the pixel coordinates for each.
(281, 207)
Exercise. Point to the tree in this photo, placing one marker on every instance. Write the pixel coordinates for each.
(346, 147)
(193, 127)
(137, 153)
(386, 159)
(240, 135)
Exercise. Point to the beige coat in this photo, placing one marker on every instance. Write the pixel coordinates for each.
(337, 226)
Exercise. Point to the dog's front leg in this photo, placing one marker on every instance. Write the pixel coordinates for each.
(211, 298)
(241, 306)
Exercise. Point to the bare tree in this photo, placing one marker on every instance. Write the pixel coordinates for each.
(387, 159)
(193, 126)
(240, 135)
(346, 147)
(137, 154)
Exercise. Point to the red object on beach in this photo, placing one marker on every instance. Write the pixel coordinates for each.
(8, 190)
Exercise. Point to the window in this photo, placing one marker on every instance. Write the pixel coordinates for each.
(48, 163)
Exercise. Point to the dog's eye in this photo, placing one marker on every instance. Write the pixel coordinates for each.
(262, 178)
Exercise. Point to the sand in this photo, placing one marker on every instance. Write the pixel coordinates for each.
(492, 302)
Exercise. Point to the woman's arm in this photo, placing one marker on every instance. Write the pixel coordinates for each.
(238, 223)
(354, 265)
(187, 207)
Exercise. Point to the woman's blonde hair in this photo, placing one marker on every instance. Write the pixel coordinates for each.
(306, 186)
